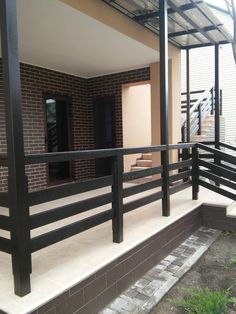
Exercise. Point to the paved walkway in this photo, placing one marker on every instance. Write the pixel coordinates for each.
(145, 293)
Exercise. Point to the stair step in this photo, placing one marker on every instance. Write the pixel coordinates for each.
(231, 210)
(137, 168)
(144, 163)
(147, 156)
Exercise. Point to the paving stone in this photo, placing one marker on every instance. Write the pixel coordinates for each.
(142, 283)
(147, 291)
(109, 311)
(131, 293)
(170, 258)
(118, 304)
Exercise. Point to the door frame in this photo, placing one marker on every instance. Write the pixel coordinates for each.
(97, 99)
(68, 101)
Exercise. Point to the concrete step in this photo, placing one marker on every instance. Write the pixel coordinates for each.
(137, 168)
(231, 210)
(147, 156)
(144, 163)
(199, 138)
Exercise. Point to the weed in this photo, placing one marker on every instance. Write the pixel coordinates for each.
(205, 301)
(232, 261)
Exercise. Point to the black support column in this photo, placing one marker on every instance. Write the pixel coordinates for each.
(217, 98)
(17, 182)
(188, 96)
(164, 105)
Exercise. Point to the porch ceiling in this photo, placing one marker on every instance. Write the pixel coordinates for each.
(56, 36)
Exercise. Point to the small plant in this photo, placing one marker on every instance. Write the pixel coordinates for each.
(232, 261)
(230, 234)
(205, 301)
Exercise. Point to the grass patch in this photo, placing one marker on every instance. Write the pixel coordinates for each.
(205, 301)
(232, 261)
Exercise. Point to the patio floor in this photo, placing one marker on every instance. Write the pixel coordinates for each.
(63, 265)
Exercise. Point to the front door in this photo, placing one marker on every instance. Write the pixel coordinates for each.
(104, 131)
(58, 137)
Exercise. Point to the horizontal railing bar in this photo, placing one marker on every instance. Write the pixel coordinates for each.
(98, 153)
(206, 156)
(207, 143)
(217, 179)
(218, 170)
(4, 199)
(65, 232)
(89, 154)
(127, 207)
(228, 146)
(180, 187)
(133, 175)
(52, 215)
(181, 175)
(181, 145)
(194, 92)
(5, 245)
(139, 188)
(185, 101)
(5, 223)
(181, 164)
(217, 152)
(217, 190)
(3, 161)
(228, 167)
(53, 193)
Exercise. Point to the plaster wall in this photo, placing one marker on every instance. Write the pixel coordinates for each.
(136, 119)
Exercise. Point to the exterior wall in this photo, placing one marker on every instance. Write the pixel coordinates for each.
(174, 105)
(35, 83)
(136, 101)
(202, 77)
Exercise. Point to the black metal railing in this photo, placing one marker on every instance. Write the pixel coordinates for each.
(197, 165)
(116, 194)
(202, 104)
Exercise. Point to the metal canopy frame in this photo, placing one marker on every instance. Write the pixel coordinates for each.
(186, 19)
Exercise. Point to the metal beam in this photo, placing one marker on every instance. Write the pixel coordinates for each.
(194, 31)
(164, 105)
(189, 20)
(217, 98)
(143, 17)
(17, 182)
(188, 104)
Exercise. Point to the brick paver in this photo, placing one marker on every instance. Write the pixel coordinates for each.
(146, 292)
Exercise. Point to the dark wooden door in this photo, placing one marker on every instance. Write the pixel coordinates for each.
(58, 137)
(104, 112)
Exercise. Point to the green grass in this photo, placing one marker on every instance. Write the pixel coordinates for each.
(232, 261)
(205, 301)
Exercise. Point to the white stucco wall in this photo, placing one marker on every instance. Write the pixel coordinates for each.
(136, 113)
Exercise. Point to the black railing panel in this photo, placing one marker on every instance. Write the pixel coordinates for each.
(4, 199)
(5, 223)
(70, 189)
(53, 215)
(70, 230)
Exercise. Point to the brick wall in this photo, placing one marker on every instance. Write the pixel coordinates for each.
(35, 82)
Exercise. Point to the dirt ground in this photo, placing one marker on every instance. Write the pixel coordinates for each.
(212, 270)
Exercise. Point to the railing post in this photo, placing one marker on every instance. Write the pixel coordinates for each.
(17, 182)
(195, 173)
(163, 39)
(200, 119)
(185, 156)
(117, 204)
(221, 103)
(212, 100)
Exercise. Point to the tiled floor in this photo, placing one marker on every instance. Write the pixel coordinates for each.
(62, 265)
